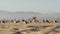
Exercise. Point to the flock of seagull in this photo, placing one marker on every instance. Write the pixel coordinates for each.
(33, 19)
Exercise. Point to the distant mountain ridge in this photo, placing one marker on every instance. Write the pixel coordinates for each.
(26, 15)
(21, 15)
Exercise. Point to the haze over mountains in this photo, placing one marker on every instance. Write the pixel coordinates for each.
(26, 15)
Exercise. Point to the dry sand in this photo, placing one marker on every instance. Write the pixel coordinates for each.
(31, 28)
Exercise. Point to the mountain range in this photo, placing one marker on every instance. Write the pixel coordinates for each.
(26, 15)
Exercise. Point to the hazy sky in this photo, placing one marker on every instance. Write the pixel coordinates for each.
(42, 6)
